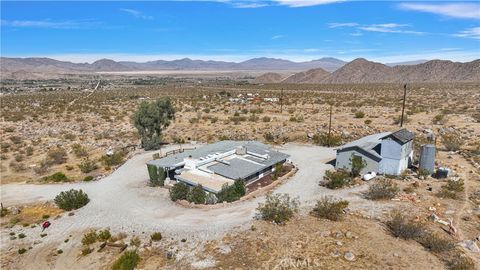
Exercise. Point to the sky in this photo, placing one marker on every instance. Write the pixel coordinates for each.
(298, 30)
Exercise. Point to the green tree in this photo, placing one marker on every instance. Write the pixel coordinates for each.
(358, 164)
(151, 119)
(179, 191)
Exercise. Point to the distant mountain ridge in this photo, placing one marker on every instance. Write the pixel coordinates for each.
(38, 64)
(363, 71)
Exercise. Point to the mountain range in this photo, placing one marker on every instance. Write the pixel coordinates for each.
(363, 71)
(37, 64)
(324, 70)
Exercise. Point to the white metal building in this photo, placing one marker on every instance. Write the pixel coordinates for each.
(384, 153)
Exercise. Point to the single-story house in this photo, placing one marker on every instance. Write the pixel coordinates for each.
(385, 153)
(217, 164)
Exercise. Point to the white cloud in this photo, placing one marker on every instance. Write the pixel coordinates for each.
(469, 33)
(456, 10)
(49, 24)
(382, 28)
(339, 25)
(306, 3)
(249, 4)
(278, 36)
(136, 13)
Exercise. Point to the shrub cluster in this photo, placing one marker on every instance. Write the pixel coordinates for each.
(452, 189)
(399, 226)
(87, 165)
(71, 199)
(56, 177)
(336, 179)
(452, 141)
(324, 140)
(233, 192)
(113, 160)
(156, 236)
(329, 208)
(128, 261)
(278, 208)
(179, 191)
(383, 188)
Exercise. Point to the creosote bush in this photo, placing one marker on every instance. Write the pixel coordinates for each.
(89, 238)
(399, 226)
(278, 208)
(113, 160)
(57, 156)
(156, 236)
(452, 189)
(324, 140)
(435, 243)
(452, 141)
(128, 261)
(71, 199)
(461, 263)
(329, 208)
(336, 179)
(87, 165)
(382, 189)
(56, 177)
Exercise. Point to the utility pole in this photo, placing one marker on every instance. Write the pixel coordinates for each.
(281, 100)
(403, 106)
(330, 126)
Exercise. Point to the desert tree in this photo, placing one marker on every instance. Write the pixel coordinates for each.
(358, 164)
(151, 119)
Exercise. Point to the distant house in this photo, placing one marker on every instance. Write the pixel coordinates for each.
(384, 153)
(217, 164)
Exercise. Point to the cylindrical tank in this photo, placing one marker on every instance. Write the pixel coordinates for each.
(427, 158)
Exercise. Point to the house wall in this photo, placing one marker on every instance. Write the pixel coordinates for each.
(396, 157)
(343, 161)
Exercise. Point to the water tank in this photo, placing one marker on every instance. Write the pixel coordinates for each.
(427, 158)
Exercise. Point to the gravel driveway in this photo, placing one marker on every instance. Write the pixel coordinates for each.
(124, 202)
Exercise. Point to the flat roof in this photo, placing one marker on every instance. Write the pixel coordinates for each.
(210, 182)
(237, 168)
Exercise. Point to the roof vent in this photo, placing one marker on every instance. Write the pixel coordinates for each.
(241, 150)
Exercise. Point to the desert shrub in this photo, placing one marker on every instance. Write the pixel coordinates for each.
(135, 241)
(439, 119)
(452, 189)
(452, 141)
(358, 164)
(266, 119)
(114, 159)
(324, 140)
(399, 226)
(89, 238)
(88, 178)
(22, 250)
(86, 251)
(367, 121)
(359, 114)
(56, 177)
(156, 236)
(329, 208)
(79, 150)
(29, 150)
(233, 192)
(104, 235)
(197, 195)
(42, 167)
(461, 263)
(71, 199)
(336, 179)
(383, 188)
(179, 191)
(17, 166)
(435, 243)
(128, 261)
(268, 137)
(278, 208)
(151, 119)
(87, 165)
(3, 212)
(57, 156)
(278, 171)
(21, 235)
